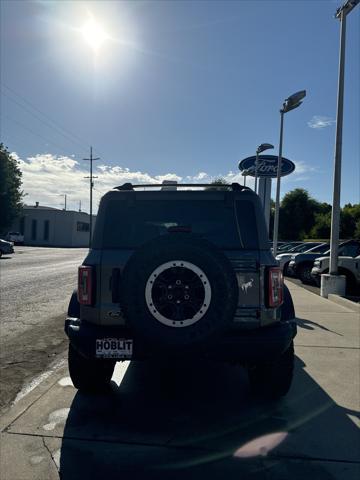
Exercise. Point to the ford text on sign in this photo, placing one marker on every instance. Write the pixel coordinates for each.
(267, 166)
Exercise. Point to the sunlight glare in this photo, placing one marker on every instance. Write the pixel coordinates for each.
(93, 34)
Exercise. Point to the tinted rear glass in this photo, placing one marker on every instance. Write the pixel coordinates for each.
(131, 225)
(320, 249)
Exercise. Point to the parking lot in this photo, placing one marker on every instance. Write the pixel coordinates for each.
(200, 420)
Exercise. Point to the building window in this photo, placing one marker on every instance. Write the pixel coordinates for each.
(33, 229)
(83, 227)
(46, 229)
(22, 225)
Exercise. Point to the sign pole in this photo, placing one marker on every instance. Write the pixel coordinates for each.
(265, 197)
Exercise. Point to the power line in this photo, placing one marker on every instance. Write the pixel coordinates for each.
(42, 121)
(33, 132)
(55, 124)
(75, 138)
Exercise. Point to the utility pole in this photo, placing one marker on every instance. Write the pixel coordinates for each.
(79, 205)
(65, 202)
(91, 160)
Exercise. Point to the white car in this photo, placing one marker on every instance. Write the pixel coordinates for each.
(284, 258)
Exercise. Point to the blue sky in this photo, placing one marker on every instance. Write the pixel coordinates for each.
(178, 89)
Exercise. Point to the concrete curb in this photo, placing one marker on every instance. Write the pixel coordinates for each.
(15, 410)
(344, 302)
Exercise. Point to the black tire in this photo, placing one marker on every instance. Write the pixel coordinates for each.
(305, 273)
(198, 253)
(285, 269)
(1, 253)
(89, 375)
(273, 380)
(351, 286)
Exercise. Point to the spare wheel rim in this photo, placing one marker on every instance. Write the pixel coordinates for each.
(178, 293)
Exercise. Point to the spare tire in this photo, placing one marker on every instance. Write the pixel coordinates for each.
(178, 290)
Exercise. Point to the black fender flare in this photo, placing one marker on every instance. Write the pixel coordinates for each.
(287, 308)
(74, 306)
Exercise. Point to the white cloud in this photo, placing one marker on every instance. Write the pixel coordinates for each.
(320, 121)
(47, 178)
(303, 167)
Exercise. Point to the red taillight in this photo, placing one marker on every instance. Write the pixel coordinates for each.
(85, 285)
(276, 283)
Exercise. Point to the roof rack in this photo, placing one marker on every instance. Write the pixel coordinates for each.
(233, 186)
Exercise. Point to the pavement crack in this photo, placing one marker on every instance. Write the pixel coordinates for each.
(51, 455)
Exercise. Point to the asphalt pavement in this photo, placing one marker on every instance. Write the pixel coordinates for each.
(35, 287)
(200, 421)
(36, 284)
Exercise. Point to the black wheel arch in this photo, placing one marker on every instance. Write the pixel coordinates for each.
(287, 308)
(74, 306)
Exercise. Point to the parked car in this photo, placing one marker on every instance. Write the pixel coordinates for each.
(6, 247)
(181, 274)
(348, 266)
(16, 237)
(285, 247)
(284, 258)
(301, 264)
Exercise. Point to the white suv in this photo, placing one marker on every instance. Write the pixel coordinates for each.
(348, 266)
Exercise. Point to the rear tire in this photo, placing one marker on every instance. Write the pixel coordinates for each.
(305, 274)
(285, 269)
(273, 380)
(89, 375)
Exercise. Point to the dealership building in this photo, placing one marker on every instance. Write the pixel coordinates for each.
(47, 226)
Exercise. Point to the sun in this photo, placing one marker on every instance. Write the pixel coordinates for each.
(94, 34)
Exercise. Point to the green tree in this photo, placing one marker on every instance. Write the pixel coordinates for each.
(357, 230)
(217, 181)
(322, 226)
(297, 214)
(10, 189)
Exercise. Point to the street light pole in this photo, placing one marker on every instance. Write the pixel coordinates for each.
(332, 283)
(260, 148)
(335, 216)
(278, 176)
(292, 102)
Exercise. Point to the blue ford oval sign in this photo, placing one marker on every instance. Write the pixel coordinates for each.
(267, 166)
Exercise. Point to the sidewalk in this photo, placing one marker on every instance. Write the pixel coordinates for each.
(204, 424)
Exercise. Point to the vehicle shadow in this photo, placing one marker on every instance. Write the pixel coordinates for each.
(310, 325)
(201, 422)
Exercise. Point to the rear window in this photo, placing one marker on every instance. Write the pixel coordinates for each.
(130, 225)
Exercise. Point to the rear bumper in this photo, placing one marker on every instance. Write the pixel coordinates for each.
(251, 346)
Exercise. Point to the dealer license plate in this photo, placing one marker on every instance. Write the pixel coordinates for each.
(114, 348)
